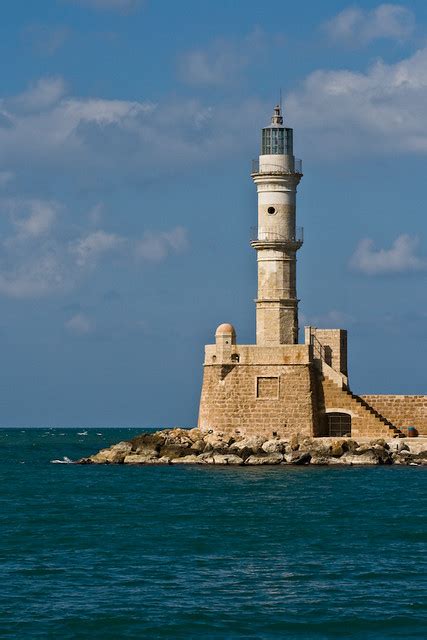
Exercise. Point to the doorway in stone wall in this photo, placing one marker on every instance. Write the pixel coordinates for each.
(339, 424)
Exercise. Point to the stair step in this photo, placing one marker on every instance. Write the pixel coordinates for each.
(339, 395)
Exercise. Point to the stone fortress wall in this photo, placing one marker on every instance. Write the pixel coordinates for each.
(284, 390)
(402, 411)
(257, 390)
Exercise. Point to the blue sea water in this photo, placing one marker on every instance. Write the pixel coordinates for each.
(201, 552)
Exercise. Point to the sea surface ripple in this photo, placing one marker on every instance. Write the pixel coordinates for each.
(200, 552)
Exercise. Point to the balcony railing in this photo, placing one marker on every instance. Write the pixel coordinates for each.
(277, 169)
(270, 236)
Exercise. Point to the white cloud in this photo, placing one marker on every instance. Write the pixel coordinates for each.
(90, 247)
(400, 258)
(38, 259)
(357, 26)
(379, 111)
(94, 142)
(42, 95)
(155, 246)
(34, 275)
(31, 217)
(80, 324)
(119, 5)
(221, 61)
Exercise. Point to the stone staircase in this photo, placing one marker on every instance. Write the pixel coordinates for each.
(365, 420)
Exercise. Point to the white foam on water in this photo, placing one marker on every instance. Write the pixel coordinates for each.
(82, 433)
(64, 460)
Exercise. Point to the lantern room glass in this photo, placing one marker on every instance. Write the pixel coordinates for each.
(277, 141)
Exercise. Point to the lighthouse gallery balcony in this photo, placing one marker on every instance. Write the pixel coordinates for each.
(259, 235)
(277, 169)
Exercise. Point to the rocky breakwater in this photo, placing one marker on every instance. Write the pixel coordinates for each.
(191, 446)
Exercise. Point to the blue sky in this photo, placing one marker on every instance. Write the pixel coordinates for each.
(127, 131)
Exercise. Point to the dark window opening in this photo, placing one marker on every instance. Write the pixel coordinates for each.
(339, 424)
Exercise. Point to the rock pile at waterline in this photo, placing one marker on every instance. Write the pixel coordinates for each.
(191, 446)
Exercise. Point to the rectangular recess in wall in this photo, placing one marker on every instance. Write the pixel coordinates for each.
(267, 388)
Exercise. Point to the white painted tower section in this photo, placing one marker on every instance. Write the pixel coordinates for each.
(276, 175)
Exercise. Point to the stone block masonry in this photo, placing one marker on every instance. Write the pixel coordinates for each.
(270, 400)
(402, 411)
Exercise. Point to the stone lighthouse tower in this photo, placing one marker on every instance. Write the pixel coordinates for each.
(278, 388)
(276, 175)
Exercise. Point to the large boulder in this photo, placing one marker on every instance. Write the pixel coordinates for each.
(368, 456)
(191, 459)
(245, 447)
(181, 437)
(274, 446)
(217, 441)
(320, 460)
(336, 449)
(229, 458)
(148, 442)
(135, 458)
(205, 458)
(113, 455)
(270, 458)
(175, 450)
(297, 457)
(397, 445)
(294, 442)
(195, 435)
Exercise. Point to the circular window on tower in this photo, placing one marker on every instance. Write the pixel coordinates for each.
(271, 210)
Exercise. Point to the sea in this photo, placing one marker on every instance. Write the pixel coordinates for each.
(205, 552)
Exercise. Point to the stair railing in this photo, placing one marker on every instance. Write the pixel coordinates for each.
(318, 348)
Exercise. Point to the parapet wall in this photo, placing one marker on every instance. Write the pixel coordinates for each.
(402, 411)
(254, 355)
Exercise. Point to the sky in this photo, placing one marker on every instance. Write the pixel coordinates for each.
(127, 130)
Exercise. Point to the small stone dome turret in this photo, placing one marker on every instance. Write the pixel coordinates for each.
(225, 334)
(225, 328)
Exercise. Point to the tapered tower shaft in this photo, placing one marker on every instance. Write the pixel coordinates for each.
(276, 175)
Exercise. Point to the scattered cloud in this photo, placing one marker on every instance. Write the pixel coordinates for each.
(34, 275)
(99, 143)
(116, 5)
(80, 324)
(88, 249)
(42, 95)
(221, 62)
(156, 246)
(31, 217)
(38, 259)
(400, 258)
(46, 39)
(356, 26)
(379, 111)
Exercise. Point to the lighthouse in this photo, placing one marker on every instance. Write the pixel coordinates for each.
(278, 388)
(277, 239)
